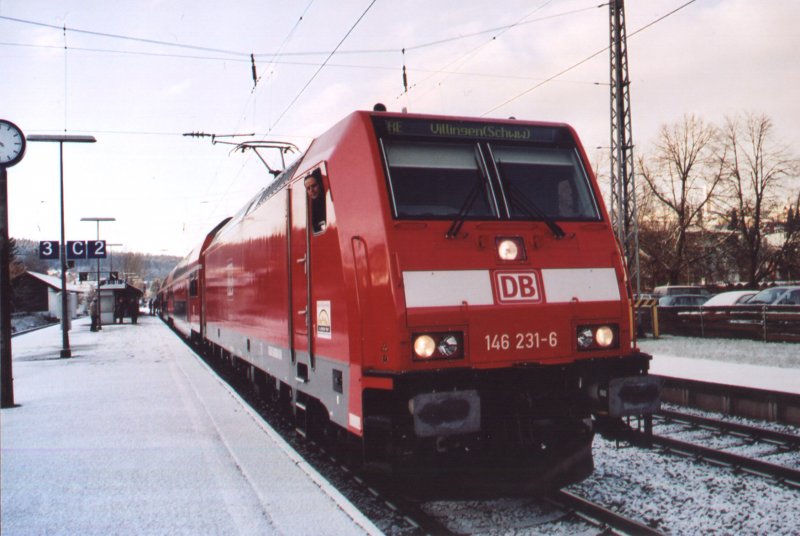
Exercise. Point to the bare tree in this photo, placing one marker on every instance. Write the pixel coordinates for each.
(133, 263)
(681, 178)
(756, 173)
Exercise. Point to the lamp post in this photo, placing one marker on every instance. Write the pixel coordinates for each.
(61, 140)
(99, 308)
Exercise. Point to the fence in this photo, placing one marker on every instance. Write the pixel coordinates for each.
(765, 323)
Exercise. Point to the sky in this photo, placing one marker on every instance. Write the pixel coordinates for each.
(138, 74)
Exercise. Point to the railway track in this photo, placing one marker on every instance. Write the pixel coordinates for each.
(743, 435)
(398, 514)
(782, 440)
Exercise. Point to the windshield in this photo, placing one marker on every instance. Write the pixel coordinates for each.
(551, 179)
(437, 180)
(475, 180)
(768, 296)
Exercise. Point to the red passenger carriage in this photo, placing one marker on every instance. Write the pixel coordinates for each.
(454, 298)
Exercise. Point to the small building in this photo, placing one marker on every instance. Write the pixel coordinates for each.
(110, 292)
(32, 292)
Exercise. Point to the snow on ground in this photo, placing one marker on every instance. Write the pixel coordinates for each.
(680, 496)
(773, 366)
(24, 322)
(74, 483)
(135, 435)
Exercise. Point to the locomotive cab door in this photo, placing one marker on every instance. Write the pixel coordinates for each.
(307, 206)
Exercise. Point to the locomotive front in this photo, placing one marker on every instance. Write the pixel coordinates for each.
(512, 305)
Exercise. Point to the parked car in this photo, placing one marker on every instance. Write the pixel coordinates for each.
(788, 295)
(733, 297)
(672, 290)
(682, 300)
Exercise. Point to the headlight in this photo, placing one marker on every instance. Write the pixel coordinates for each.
(430, 346)
(424, 346)
(597, 337)
(510, 249)
(585, 338)
(448, 345)
(605, 336)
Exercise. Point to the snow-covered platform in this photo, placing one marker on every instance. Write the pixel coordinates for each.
(135, 435)
(772, 366)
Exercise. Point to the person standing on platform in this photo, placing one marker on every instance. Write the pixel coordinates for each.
(119, 310)
(133, 309)
(94, 315)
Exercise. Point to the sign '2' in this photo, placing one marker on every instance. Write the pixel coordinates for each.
(88, 249)
(517, 287)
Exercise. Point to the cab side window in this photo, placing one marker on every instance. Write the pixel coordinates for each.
(315, 190)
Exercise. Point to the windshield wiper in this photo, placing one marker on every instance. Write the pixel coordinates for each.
(521, 201)
(471, 197)
(462, 214)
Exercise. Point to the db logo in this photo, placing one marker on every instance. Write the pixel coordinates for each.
(517, 287)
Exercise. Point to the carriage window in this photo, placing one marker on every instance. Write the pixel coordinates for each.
(548, 181)
(437, 180)
(193, 286)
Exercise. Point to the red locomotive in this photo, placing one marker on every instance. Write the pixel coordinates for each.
(448, 291)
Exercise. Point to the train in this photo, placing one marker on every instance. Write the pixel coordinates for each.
(444, 293)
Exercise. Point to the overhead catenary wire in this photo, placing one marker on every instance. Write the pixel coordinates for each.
(120, 36)
(253, 57)
(346, 35)
(287, 39)
(266, 55)
(500, 31)
(294, 63)
(581, 62)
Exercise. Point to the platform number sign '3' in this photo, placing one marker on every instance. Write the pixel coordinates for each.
(48, 250)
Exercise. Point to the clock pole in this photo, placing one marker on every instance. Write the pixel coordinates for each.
(7, 380)
(12, 149)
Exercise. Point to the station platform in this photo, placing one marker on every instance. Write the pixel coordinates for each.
(134, 434)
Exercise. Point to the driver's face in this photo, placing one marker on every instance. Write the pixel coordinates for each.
(312, 188)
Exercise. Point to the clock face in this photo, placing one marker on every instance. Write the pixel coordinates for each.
(12, 143)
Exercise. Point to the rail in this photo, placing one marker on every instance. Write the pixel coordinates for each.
(787, 476)
(752, 433)
(601, 515)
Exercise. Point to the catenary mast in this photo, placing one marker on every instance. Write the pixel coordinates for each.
(623, 185)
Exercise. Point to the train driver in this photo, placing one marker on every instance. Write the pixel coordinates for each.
(567, 203)
(316, 200)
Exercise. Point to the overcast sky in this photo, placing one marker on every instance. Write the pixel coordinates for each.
(137, 74)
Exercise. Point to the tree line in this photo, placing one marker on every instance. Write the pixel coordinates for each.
(718, 204)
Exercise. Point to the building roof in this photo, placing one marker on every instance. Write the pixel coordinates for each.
(120, 285)
(55, 282)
